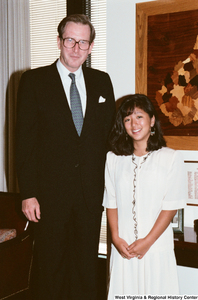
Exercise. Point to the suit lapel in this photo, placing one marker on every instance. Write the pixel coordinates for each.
(58, 89)
(92, 99)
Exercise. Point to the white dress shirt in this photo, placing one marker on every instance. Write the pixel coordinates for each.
(66, 81)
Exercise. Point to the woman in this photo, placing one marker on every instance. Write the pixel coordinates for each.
(145, 184)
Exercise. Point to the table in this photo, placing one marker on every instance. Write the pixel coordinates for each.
(186, 248)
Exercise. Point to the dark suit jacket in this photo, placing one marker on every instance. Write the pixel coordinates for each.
(52, 160)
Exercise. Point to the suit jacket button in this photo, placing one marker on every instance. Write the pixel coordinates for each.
(76, 166)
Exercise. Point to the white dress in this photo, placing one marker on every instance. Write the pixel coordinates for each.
(161, 185)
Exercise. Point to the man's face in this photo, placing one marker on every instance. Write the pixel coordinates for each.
(73, 58)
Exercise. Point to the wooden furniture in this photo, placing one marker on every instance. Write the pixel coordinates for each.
(186, 248)
(15, 254)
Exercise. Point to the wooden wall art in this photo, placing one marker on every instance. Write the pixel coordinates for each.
(167, 66)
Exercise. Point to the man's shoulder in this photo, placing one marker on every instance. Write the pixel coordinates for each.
(40, 72)
(94, 72)
(95, 76)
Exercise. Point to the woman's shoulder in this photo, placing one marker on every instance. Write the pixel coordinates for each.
(167, 153)
(112, 155)
(166, 150)
(113, 158)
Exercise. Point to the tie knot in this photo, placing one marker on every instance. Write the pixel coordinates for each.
(72, 76)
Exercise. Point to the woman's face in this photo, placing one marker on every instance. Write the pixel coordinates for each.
(138, 125)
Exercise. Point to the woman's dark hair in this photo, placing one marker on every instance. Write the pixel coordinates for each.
(76, 18)
(122, 145)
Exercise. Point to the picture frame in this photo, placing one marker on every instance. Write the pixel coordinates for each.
(178, 222)
(191, 164)
(192, 177)
(190, 157)
(143, 12)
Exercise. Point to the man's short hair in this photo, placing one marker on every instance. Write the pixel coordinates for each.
(77, 18)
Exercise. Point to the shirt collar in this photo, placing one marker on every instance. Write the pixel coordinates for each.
(65, 72)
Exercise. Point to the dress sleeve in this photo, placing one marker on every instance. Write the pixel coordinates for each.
(176, 184)
(109, 200)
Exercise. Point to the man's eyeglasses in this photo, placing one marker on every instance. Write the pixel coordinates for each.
(71, 43)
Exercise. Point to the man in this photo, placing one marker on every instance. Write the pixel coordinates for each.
(60, 163)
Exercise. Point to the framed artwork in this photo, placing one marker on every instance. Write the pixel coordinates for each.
(178, 221)
(192, 177)
(167, 66)
(191, 164)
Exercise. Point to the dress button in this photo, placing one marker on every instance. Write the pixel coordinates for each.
(76, 166)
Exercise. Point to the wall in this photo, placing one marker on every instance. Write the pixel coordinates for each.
(121, 67)
(121, 45)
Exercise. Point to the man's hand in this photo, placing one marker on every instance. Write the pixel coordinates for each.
(31, 209)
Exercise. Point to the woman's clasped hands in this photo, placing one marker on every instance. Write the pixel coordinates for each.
(137, 249)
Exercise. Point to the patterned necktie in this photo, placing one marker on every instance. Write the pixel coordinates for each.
(76, 107)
